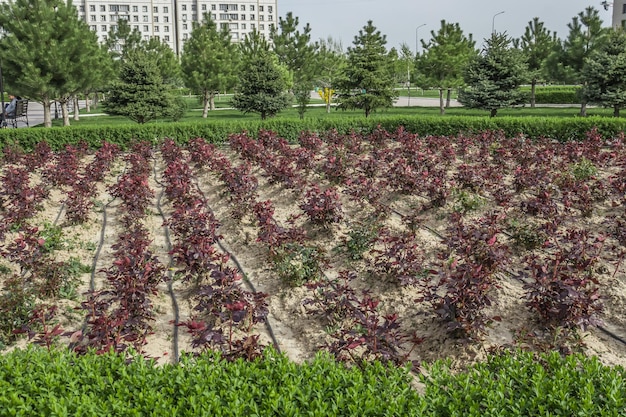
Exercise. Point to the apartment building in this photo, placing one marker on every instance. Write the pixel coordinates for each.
(619, 13)
(171, 21)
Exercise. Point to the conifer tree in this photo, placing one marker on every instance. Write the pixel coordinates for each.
(367, 81)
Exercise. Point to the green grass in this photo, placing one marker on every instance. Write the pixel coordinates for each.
(195, 114)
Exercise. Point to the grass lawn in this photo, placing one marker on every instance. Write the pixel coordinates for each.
(223, 112)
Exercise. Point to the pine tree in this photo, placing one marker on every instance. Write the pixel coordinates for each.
(209, 62)
(446, 56)
(140, 94)
(262, 88)
(493, 77)
(367, 81)
(604, 73)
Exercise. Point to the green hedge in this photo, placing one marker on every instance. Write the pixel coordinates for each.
(554, 94)
(562, 129)
(38, 382)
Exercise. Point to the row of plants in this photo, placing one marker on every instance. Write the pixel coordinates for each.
(508, 383)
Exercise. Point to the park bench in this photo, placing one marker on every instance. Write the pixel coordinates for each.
(21, 114)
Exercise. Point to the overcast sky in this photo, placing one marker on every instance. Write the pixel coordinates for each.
(399, 19)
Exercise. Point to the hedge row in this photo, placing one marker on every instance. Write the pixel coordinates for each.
(562, 95)
(562, 129)
(38, 382)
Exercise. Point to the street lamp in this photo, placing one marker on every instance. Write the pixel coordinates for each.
(493, 22)
(416, 38)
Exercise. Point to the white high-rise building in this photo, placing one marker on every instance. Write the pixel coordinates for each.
(619, 14)
(171, 20)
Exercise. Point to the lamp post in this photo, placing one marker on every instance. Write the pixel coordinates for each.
(416, 38)
(493, 22)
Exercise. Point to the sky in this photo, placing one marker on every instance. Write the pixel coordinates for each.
(402, 20)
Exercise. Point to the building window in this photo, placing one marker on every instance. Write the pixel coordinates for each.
(103, 18)
(243, 17)
(260, 8)
(103, 28)
(92, 17)
(166, 38)
(146, 28)
(114, 28)
(193, 8)
(214, 16)
(103, 8)
(92, 7)
(145, 19)
(261, 27)
(233, 26)
(243, 26)
(135, 18)
(270, 18)
(185, 36)
(166, 28)
(184, 26)
(212, 7)
(184, 18)
(94, 28)
(156, 28)
(194, 17)
(112, 18)
(271, 26)
(252, 26)
(183, 7)
(135, 9)
(270, 9)
(166, 19)
(204, 7)
(81, 9)
(624, 8)
(156, 19)
(136, 27)
(243, 7)
(261, 17)
(144, 9)
(166, 9)
(223, 16)
(155, 9)
(251, 17)
(156, 37)
(252, 7)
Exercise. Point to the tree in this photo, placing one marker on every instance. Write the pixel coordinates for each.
(604, 73)
(445, 58)
(140, 94)
(586, 35)
(167, 62)
(537, 43)
(330, 62)
(295, 51)
(367, 81)
(262, 86)
(121, 39)
(209, 62)
(494, 76)
(47, 53)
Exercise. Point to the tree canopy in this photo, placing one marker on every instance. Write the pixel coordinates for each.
(493, 77)
(367, 81)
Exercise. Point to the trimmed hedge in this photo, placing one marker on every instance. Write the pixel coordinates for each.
(562, 129)
(555, 94)
(37, 382)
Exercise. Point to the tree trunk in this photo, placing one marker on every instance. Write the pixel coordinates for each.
(533, 84)
(212, 100)
(442, 108)
(87, 103)
(65, 113)
(76, 109)
(493, 112)
(47, 117)
(205, 104)
(583, 110)
(95, 100)
(448, 97)
(616, 111)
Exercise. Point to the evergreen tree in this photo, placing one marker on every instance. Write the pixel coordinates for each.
(47, 53)
(536, 44)
(446, 56)
(262, 87)
(367, 81)
(494, 76)
(296, 52)
(586, 35)
(604, 73)
(209, 62)
(140, 94)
